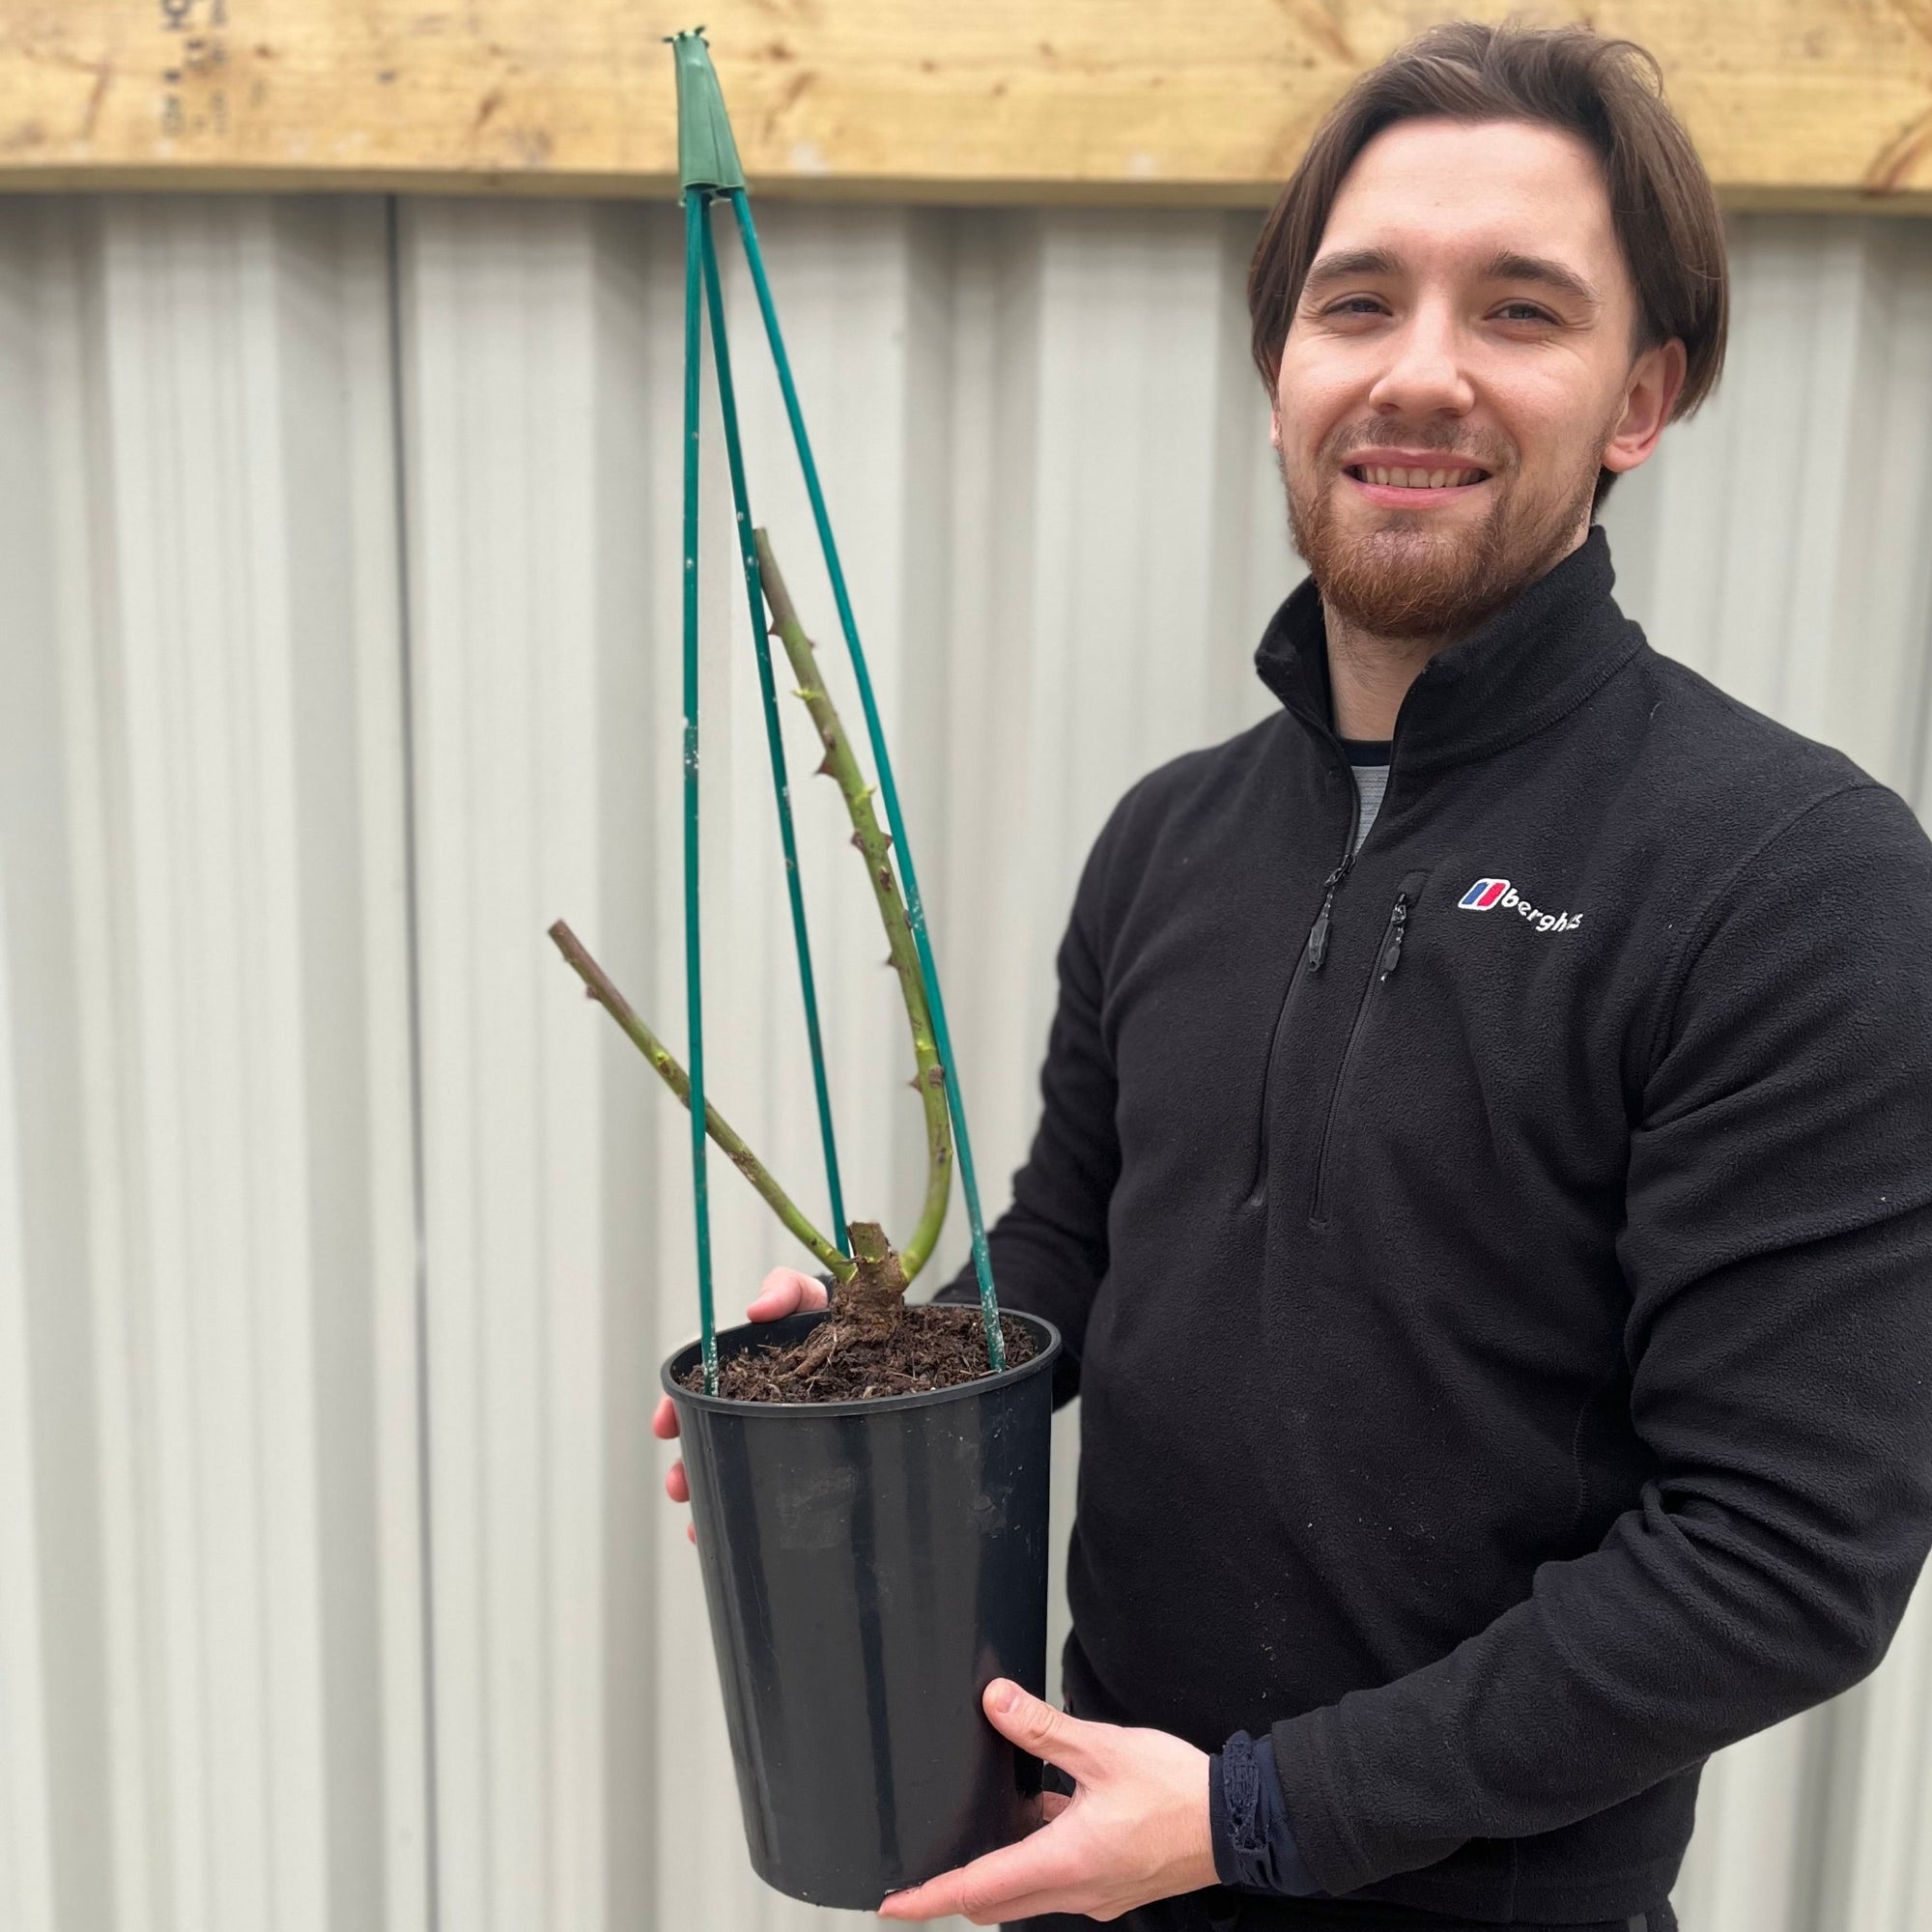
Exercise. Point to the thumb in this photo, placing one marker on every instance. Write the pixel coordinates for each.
(1034, 1726)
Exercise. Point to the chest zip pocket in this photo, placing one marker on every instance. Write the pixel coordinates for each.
(1376, 993)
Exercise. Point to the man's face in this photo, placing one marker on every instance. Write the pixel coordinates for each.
(1466, 323)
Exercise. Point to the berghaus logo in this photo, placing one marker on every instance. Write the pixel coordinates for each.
(1493, 895)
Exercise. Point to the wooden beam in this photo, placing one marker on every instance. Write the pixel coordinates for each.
(1817, 103)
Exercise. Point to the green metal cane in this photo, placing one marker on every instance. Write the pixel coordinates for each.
(693, 973)
(747, 552)
(709, 169)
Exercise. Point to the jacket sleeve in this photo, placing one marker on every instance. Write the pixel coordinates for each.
(1778, 1248)
(1049, 1249)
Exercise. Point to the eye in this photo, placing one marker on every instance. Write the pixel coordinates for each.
(1355, 305)
(1524, 311)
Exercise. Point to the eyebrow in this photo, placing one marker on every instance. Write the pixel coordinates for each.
(1345, 263)
(1506, 265)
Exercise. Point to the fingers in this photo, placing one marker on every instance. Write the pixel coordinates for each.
(785, 1292)
(1051, 1804)
(985, 1890)
(1038, 1905)
(677, 1485)
(1034, 1726)
(780, 1294)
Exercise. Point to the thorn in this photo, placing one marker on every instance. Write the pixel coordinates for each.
(823, 768)
(936, 1075)
(888, 963)
(913, 1083)
(858, 843)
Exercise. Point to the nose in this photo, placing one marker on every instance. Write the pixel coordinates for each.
(1423, 375)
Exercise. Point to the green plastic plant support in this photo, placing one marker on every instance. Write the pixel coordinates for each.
(707, 156)
(709, 168)
(747, 554)
(694, 974)
(848, 624)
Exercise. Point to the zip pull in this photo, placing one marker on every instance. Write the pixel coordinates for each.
(1318, 933)
(1398, 926)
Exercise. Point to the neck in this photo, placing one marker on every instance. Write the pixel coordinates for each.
(1369, 676)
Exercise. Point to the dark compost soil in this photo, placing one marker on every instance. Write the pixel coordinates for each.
(930, 1349)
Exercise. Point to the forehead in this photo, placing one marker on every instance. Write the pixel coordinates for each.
(1438, 193)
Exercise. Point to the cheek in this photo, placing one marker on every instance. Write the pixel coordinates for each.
(1311, 401)
(1546, 411)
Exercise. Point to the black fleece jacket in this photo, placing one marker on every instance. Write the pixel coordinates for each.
(1503, 1312)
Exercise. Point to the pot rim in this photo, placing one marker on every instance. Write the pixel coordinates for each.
(874, 1406)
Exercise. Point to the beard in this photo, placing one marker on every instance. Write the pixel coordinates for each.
(1412, 575)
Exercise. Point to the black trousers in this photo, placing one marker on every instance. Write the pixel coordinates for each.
(1223, 1912)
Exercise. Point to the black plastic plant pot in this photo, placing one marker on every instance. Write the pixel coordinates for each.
(870, 1567)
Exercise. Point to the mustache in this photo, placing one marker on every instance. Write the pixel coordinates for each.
(1383, 435)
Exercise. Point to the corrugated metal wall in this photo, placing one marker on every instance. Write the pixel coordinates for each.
(340, 1240)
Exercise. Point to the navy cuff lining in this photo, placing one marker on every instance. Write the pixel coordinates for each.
(1248, 1823)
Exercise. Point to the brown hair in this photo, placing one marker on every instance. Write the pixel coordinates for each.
(1607, 92)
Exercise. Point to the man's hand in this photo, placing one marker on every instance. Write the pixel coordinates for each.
(785, 1292)
(1135, 1831)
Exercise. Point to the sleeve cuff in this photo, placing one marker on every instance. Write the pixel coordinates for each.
(1248, 1823)
(1220, 1833)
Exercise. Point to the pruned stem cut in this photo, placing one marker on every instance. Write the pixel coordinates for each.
(600, 987)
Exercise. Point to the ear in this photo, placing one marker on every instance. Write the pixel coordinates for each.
(1656, 382)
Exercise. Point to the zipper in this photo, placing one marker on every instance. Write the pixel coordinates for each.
(1317, 950)
(1387, 962)
(1311, 956)
(1390, 955)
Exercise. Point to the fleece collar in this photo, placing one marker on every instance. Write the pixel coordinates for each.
(1521, 668)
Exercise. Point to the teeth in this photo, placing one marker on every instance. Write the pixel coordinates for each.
(1418, 479)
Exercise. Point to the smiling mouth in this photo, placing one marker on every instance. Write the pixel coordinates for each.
(1459, 476)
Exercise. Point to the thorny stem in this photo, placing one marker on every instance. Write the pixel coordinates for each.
(597, 984)
(875, 846)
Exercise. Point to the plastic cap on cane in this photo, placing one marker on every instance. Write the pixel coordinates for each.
(707, 156)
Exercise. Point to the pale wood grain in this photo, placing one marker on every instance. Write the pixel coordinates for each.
(1792, 102)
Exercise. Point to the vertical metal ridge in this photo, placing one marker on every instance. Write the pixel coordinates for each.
(404, 634)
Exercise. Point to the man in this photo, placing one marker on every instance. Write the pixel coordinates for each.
(1484, 1178)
